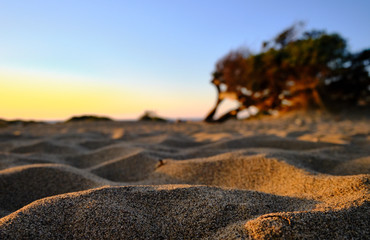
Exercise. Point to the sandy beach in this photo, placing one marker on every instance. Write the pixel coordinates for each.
(295, 177)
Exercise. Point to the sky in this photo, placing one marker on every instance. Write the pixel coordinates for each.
(119, 58)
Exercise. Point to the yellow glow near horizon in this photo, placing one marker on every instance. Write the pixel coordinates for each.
(29, 94)
(36, 95)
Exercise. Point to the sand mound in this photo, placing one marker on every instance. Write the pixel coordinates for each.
(343, 224)
(95, 144)
(13, 160)
(269, 142)
(355, 166)
(22, 185)
(45, 147)
(180, 142)
(141, 213)
(300, 177)
(99, 156)
(261, 174)
(131, 168)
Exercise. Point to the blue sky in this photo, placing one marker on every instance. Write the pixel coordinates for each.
(161, 53)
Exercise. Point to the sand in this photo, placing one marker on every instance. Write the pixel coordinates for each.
(302, 176)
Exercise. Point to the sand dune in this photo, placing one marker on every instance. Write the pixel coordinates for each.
(24, 184)
(299, 177)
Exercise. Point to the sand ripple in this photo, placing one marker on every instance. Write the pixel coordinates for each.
(264, 179)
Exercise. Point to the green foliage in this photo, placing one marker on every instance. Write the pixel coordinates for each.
(151, 116)
(89, 118)
(5, 123)
(314, 69)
